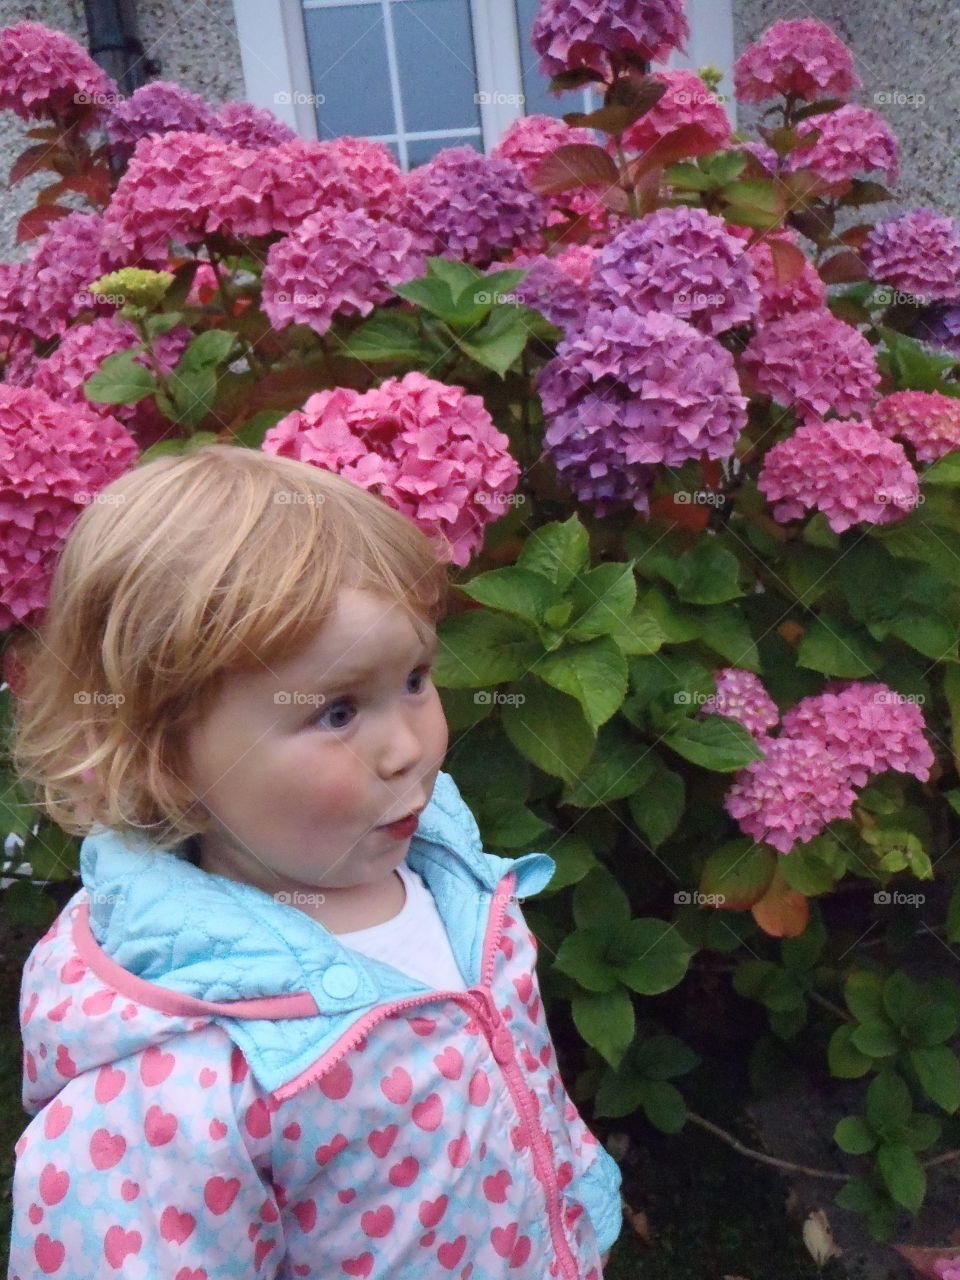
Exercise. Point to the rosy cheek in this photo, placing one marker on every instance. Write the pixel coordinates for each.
(338, 793)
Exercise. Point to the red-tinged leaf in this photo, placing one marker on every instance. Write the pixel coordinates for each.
(688, 140)
(782, 912)
(46, 132)
(37, 222)
(615, 199)
(611, 120)
(856, 237)
(802, 186)
(32, 160)
(686, 515)
(575, 164)
(94, 185)
(738, 874)
(575, 79)
(845, 267)
(923, 1258)
(788, 260)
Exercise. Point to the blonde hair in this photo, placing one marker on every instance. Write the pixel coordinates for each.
(182, 571)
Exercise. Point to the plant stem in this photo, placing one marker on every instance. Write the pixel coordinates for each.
(627, 186)
(761, 1156)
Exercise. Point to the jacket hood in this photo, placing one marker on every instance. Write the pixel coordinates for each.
(152, 946)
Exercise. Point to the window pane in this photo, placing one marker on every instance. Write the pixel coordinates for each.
(348, 66)
(438, 75)
(538, 100)
(426, 148)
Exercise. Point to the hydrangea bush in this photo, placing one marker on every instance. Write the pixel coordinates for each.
(685, 421)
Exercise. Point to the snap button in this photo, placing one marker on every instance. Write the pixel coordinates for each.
(340, 981)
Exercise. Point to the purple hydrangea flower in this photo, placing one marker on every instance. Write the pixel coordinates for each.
(585, 33)
(740, 695)
(250, 126)
(683, 261)
(917, 252)
(159, 107)
(475, 207)
(628, 391)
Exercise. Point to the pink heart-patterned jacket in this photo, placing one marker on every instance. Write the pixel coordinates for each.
(221, 1090)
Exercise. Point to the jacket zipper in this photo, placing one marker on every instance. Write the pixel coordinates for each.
(501, 1045)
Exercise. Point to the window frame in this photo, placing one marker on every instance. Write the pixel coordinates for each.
(276, 68)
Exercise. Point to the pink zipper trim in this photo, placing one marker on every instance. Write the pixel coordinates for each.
(177, 1003)
(503, 1049)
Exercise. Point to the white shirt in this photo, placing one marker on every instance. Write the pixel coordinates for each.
(413, 941)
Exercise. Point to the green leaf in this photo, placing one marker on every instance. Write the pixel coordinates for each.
(558, 552)
(774, 987)
(484, 648)
(716, 742)
(581, 956)
(663, 1105)
(498, 343)
(924, 1132)
(606, 1021)
(53, 853)
(657, 807)
(843, 1058)
(120, 380)
(27, 904)
(863, 992)
(802, 952)
(594, 673)
(661, 1057)
(206, 351)
(810, 868)
(574, 858)
(725, 630)
(854, 1136)
(430, 293)
(603, 599)
(600, 902)
(638, 634)
(549, 729)
(658, 953)
(945, 470)
(903, 1174)
(513, 590)
(386, 336)
(939, 1074)
(933, 637)
(620, 766)
(889, 1104)
(17, 814)
(876, 1039)
(837, 649)
(738, 873)
(708, 574)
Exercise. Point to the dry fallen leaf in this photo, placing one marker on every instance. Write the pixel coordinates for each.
(819, 1240)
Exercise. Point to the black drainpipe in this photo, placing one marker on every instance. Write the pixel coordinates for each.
(116, 46)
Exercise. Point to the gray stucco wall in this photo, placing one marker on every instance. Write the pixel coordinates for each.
(195, 42)
(904, 48)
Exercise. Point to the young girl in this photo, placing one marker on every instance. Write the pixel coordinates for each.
(289, 1026)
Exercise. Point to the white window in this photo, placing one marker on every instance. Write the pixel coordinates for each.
(420, 75)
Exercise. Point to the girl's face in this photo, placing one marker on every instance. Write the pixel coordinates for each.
(300, 766)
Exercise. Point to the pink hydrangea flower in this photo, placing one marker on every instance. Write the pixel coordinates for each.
(531, 138)
(158, 107)
(683, 261)
(83, 349)
(800, 58)
(53, 459)
(847, 470)
(13, 283)
(336, 262)
(929, 420)
(947, 1268)
(740, 695)
(429, 450)
(917, 252)
(46, 74)
(250, 126)
(763, 152)
(853, 141)
(568, 34)
(686, 101)
(182, 187)
(812, 362)
(790, 795)
(54, 286)
(865, 728)
(475, 207)
(627, 391)
(371, 168)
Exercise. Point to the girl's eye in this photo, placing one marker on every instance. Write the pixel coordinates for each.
(421, 676)
(334, 709)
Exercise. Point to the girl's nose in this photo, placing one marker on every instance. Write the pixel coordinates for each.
(403, 748)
